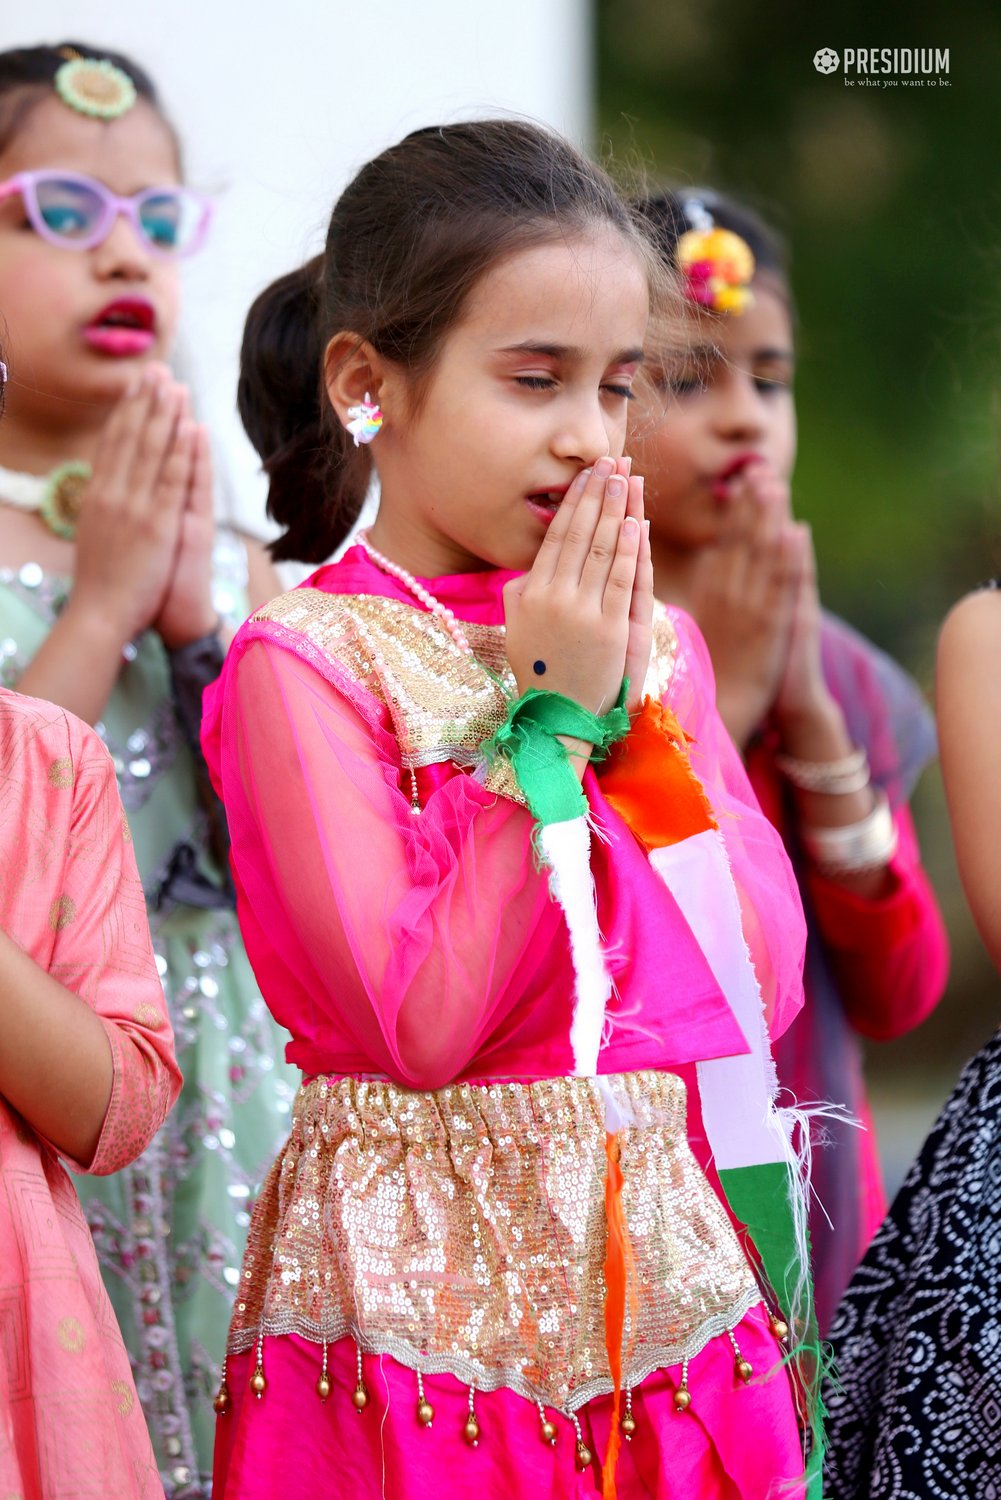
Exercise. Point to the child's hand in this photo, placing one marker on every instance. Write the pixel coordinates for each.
(641, 610)
(744, 595)
(187, 613)
(570, 615)
(803, 693)
(131, 512)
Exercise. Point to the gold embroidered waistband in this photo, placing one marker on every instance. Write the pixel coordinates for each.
(463, 1231)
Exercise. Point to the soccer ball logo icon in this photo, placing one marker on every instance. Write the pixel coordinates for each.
(826, 60)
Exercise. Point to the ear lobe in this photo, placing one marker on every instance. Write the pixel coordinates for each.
(352, 370)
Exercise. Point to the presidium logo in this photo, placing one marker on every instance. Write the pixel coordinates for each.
(887, 67)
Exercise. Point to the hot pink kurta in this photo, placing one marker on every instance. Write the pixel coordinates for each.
(361, 919)
(70, 1421)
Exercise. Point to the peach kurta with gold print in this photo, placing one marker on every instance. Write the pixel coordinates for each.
(70, 1421)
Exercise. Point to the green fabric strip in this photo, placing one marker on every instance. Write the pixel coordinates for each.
(759, 1197)
(529, 737)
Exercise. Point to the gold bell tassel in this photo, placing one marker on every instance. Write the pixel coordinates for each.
(323, 1384)
(359, 1398)
(425, 1411)
(222, 1401)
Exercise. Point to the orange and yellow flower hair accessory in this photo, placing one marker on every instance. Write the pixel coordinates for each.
(94, 86)
(717, 265)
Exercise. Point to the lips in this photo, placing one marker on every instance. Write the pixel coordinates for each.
(123, 328)
(545, 503)
(721, 483)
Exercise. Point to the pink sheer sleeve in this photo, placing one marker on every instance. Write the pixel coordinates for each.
(771, 906)
(101, 950)
(418, 935)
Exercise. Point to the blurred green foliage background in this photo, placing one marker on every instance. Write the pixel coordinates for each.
(890, 199)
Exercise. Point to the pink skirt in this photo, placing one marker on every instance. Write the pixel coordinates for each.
(735, 1442)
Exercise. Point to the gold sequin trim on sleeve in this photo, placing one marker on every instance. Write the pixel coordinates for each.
(442, 703)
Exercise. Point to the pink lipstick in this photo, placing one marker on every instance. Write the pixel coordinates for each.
(721, 485)
(123, 329)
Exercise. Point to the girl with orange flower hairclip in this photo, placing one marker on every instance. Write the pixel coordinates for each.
(834, 733)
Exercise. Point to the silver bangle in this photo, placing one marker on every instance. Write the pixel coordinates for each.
(836, 778)
(856, 848)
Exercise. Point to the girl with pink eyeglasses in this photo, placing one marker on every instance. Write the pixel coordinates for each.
(114, 587)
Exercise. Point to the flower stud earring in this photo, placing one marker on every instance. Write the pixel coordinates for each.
(365, 420)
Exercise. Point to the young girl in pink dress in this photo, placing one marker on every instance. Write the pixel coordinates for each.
(834, 732)
(87, 1073)
(501, 874)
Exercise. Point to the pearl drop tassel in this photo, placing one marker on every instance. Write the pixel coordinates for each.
(471, 1431)
(425, 1411)
(582, 1453)
(360, 1396)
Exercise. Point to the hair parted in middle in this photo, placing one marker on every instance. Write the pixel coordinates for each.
(408, 240)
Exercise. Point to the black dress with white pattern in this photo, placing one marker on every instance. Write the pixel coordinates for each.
(917, 1339)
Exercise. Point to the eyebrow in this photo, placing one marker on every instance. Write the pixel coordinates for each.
(780, 354)
(569, 352)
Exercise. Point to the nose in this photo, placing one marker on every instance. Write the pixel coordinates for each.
(123, 256)
(739, 412)
(584, 433)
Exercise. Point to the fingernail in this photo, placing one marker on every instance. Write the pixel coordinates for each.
(616, 487)
(604, 467)
(646, 527)
(630, 526)
(629, 465)
(583, 477)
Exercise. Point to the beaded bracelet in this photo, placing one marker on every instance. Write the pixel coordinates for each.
(836, 778)
(857, 848)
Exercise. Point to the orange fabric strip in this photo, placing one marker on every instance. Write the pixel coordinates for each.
(648, 779)
(615, 1304)
(618, 1267)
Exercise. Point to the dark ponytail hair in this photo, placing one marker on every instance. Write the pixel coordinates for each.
(408, 240)
(27, 76)
(667, 215)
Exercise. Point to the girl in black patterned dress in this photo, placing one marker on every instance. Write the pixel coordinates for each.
(916, 1414)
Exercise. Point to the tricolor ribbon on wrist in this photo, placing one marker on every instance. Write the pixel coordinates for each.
(530, 739)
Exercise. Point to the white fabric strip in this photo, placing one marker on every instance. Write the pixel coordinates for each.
(742, 1125)
(566, 848)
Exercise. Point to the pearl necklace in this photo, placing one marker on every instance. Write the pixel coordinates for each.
(439, 610)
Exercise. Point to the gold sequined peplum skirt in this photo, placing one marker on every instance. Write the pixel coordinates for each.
(464, 1231)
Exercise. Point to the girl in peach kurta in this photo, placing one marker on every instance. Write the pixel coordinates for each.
(87, 1073)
